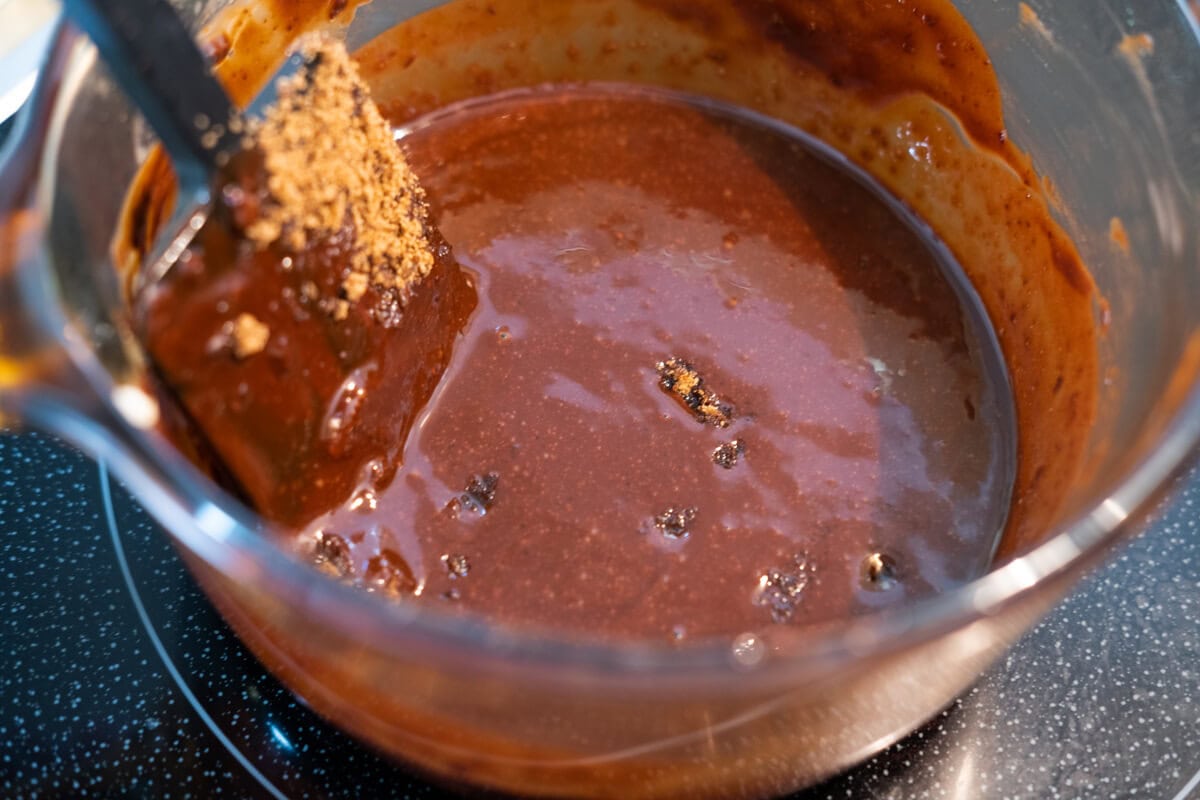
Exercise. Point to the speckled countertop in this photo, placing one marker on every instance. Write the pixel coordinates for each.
(117, 679)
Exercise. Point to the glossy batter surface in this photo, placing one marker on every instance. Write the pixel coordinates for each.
(618, 242)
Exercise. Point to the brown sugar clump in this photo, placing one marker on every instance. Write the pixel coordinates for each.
(331, 162)
(683, 381)
(249, 336)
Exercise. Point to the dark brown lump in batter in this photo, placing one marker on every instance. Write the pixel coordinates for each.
(390, 574)
(726, 455)
(781, 590)
(683, 381)
(879, 572)
(332, 555)
(674, 522)
(478, 496)
(457, 565)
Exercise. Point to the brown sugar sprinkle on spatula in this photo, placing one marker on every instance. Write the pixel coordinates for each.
(330, 160)
(308, 321)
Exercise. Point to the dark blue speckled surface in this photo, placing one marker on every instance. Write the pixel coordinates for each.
(118, 680)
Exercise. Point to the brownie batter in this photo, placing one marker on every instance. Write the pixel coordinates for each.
(905, 90)
(629, 262)
(699, 394)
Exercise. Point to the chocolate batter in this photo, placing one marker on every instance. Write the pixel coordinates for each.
(711, 384)
(906, 91)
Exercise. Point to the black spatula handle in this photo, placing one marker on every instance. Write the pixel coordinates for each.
(153, 56)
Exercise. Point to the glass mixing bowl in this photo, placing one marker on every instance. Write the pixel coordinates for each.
(1105, 97)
